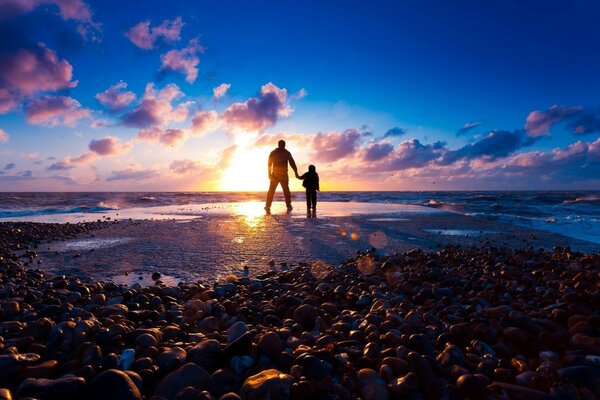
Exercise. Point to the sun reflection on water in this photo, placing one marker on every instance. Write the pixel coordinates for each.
(252, 212)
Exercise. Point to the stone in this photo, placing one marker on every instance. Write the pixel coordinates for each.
(240, 364)
(470, 386)
(224, 381)
(306, 315)
(314, 368)
(68, 386)
(171, 359)
(115, 385)
(145, 340)
(236, 330)
(268, 384)
(403, 385)
(270, 345)
(206, 354)
(371, 385)
(188, 375)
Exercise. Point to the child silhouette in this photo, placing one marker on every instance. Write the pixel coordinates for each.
(311, 183)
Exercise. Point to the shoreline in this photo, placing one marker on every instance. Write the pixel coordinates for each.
(470, 322)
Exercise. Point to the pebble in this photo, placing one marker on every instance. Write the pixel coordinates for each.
(468, 323)
(115, 385)
(268, 384)
(188, 375)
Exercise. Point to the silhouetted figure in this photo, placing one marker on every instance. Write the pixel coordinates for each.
(311, 183)
(278, 174)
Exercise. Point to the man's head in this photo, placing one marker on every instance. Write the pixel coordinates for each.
(312, 168)
(281, 144)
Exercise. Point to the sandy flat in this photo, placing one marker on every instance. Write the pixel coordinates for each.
(223, 239)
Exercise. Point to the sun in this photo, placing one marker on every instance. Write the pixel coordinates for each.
(247, 171)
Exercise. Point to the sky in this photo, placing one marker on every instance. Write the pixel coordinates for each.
(106, 95)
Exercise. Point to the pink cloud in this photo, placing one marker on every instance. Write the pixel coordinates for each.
(167, 137)
(538, 123)
(156, 108)
(53, 111)
(30, 70)
(8, 101)
(116, 98)
(109, 146)
(271, 140)
(4, 137)
(75, 10)
(377, 151)
(184, 61)
(184, 167)
(333, 146)
(261, 112)
(221, 90)
(146, 37)
(204, 122)
(133, 172)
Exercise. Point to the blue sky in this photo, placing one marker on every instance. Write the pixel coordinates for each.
(345, 73)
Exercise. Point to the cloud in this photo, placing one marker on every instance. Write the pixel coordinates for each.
(584, 123)
(9, 166)
(167, 137)
(146, 37)
(75, 10)
(394, 132)
(538, 123)
(116, 98)
(32, 70)
(221, 90)
(494, 145)
(99, 123)
(204, 122)
(185, 60)
(4, 137)
(467, 127)
(156, 109)
(300, 94)
(260, 112)
(133, 172)
(412, 154)
(185, 167)
(109, 146)
(377, 151)
(8, 101)
(53, 111)
(333, 146)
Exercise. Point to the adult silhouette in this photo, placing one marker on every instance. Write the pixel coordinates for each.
(278, 174)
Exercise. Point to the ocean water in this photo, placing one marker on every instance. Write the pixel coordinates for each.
(574, 213)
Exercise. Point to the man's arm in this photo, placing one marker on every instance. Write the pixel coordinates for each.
(293, 164)
(269, 165)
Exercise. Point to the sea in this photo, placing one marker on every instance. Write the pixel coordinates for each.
(574, 214)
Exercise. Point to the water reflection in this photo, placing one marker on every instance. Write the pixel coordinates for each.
(252, 212)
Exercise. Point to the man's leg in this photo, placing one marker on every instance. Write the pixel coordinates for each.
(286, 193)
(271, 192)
(313, 197)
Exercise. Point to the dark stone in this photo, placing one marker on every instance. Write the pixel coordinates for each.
(188, 375)
(115, 385)
(68, 386)
(371, 385)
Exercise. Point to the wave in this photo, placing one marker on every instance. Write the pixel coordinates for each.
(585, 199)
(50, 211)
(146, 198)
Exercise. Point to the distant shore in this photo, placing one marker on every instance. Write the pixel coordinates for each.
(461, 322)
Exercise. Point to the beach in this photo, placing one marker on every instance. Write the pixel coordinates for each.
(222, 301)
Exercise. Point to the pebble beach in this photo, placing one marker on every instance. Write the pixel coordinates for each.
(470, 322)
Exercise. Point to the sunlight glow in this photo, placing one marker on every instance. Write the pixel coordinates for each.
(252, 212)
(247, 172)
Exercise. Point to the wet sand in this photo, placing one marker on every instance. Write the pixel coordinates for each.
(211, 242)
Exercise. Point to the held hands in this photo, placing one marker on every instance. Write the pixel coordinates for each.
(297, 176)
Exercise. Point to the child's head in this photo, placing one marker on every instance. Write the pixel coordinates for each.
(312, 168)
